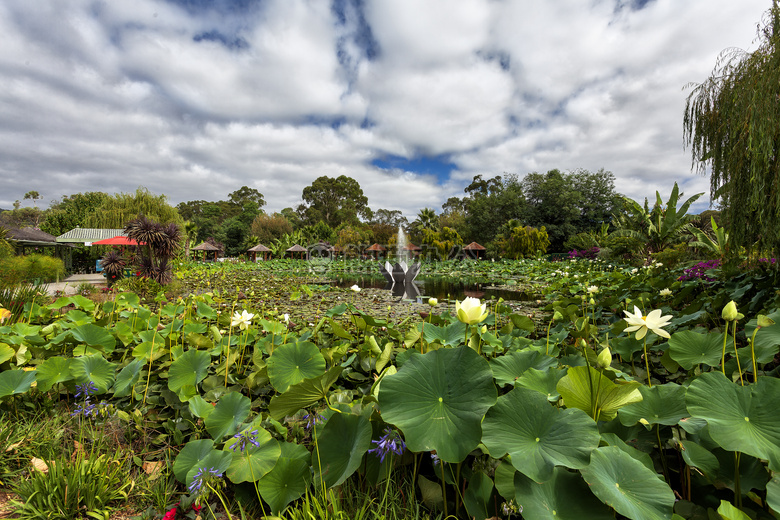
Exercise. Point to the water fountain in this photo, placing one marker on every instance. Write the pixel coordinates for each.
(400, 277)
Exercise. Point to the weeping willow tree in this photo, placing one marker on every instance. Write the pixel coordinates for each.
(119, 209)
(732, 124)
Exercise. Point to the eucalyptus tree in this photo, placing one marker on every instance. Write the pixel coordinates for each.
(732, 124)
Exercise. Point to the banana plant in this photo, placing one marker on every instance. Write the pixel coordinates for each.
(717, 246)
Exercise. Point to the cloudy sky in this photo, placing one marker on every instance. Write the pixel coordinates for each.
(412, 98)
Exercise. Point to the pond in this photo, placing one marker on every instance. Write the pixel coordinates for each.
(441, 287)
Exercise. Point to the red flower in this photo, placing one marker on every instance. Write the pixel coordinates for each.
(170, 515)
(197, 508)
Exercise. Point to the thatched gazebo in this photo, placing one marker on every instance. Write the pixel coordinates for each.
(474, 250)
(259, 248)
(207, 248)
(412, 250)
(299, 250)
(375, 250)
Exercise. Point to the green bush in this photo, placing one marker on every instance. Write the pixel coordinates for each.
(526, 242)
(30, 268)
(146, 288)
(671, 256)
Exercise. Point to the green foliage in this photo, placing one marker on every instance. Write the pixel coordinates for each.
(524, 242)
(119, 209)
(715, 245)
(267, 228)
(30, 268)
(87, 484)
(334, 201)
(672, 256)
(72, 211)
(660, 227)
(146, 288)
(731, 122)
(490, 204)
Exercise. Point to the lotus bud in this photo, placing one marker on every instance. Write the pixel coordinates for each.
(483, 329)
(604, 358)
(730, 312)
(557, 316)
(765, 321)
(581, 343)
(433, 302)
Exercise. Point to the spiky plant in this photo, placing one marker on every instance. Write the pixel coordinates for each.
(113, 263)
(158, 245)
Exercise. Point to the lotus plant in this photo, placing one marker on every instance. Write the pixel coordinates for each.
(653, 322)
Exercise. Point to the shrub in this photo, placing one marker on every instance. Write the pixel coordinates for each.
(699, 271)
(526, 241)
(30, 268)
(146, 288)
(590, 253)
(671, 256)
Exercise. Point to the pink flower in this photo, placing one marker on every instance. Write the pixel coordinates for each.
(170, 515)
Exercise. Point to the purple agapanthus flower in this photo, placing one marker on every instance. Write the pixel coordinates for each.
(201, 477)
(389, 442)
(86, 409)
(85, 390)
(312, 419)
(244, 439)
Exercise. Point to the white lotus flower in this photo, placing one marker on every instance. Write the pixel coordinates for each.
(652, 322)
(242, 321)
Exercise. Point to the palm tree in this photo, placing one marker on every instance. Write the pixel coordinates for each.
(161, 241)
(426, 219)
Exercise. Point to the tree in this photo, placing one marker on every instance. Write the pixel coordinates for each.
(160, 243)
(34, 196)
(268, 228)
(426, 219)
(732, 124)
(553, 203)
(334, 201)
(119, 209)
(246, 194)
(72, 211)
(490, 204)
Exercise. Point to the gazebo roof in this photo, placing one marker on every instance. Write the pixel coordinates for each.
(474, 247)
(206, 246)
(84, 235)
(412, 247)
(30, 234)
(296, 249)
(259, 248)
(376, 247)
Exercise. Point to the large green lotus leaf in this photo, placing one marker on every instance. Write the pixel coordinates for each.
(537, 435)
(343, 441)
(506, 369)
(291, 363)
(690, 348)
(188, 369)
(189, 456)
(610, 439)
(15, 382)
(624, 484)
(438, 400)
(199, 407)
(127, 377)
(660, 404)
(93, 368)
(592, 392)
(255, 461)
(305, 393)
(728, 512)
(565, 496)
(542, 381)
(288, 480)
(739, 418)
(95, 337)
(228, 415)
(52, 371)
(773, 493)
(76, 300)
(150, 351)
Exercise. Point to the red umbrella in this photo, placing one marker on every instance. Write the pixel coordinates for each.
(120, 240)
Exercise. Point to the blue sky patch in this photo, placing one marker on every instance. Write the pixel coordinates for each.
(439, 166)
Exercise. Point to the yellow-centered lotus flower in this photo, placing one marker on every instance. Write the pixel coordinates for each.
(242, 321)
(652, 322)
(471, 311)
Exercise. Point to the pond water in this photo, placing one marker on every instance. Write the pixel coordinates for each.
(441, 287)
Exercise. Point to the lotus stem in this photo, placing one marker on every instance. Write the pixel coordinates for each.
(723, 356)
(739, 368)
(753, 353)
(647, 364)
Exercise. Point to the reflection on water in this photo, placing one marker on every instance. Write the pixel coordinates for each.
(440, 287)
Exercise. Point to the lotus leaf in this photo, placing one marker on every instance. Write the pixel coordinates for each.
(15, 382)
(508, 368)
(543, 381)
(538, 436)
(660, 404)
(288, 480)
(591, 391)
(52, 371)
(341, 444)
(189, 369)
(93, 368)
(438, 401)
(291, 363)
(127, 377)
(565, 496)
(305, 393)
(626, 485)
(738, 416)
(228, 414)
(690, 348)
(255, 461)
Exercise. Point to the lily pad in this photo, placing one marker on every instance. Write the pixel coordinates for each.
(288, 480)
(565, 496)
(254, 462)
(690, 348)
(508, 368)
(538, 436)
(342, 442)
(438, 400)
(661, 404)
(15, 382)
(189, 369)
(305, 393)
(592, 392)
(127, 377)
(228, 414)
(52, 371)
(93, 368)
